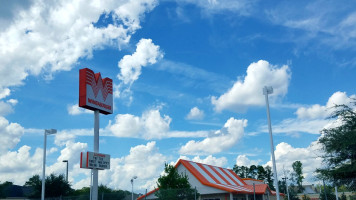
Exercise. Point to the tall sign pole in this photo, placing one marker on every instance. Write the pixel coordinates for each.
(266, 91)
(96, 150)
(95, 94)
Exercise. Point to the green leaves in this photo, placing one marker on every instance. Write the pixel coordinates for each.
(339, 144)
(173, 185)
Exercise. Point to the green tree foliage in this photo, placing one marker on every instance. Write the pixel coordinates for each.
(36, 184)
(282, 186)
(174, 186)
(298, 174)
(269, 177)
(328, 192)
(343, 196)
(261, 173)
(293, 195)
(4, 189)
(55, 186)
(339, 145)
(256, 172)
(103, 192)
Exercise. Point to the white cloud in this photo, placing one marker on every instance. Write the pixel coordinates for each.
(312, 119)
(124, 168)
(243, 160)
(225, 138)
(317, 111)
(4, 92)
(52, 36)
(325, 24)
(241, 7)
(130, 65)
(295, 126)
(13, 102)
(5, 108)
(248, 92)
(71, 152)
(76, 110)
(18, 166)
(150, 125)
(286, 154)
(195, 114)
(10, 134)
(209, 160)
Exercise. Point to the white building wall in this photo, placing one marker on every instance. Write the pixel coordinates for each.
(202, 189)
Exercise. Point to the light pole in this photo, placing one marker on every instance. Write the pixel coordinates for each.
(66, 161)
(266, 91)
(132, 180)
(47, 132)
(285, 178)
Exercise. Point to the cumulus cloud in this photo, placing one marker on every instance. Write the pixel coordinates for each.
(18, 166)
(209, 160)
(76, 110)
(318, 111)
(310, 157)
(130, 65)
(225, 138)
(150, 125)
(195, 114)
(52, 36)
(243, 160)
(124, 168)
(11, 134)
(70, 152)
(247, 91)
(312, 119)
(4, 92)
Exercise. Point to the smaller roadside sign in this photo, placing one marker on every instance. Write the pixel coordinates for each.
(91, 160)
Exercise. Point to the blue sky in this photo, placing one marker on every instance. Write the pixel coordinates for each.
(188, 78)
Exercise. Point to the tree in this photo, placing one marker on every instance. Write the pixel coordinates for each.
(298, 174)
(252, 172)
(4, 187)
(55, 186)
(36, 184)
(174, 186)
(261, 173)
(269, 177)
(339, 145)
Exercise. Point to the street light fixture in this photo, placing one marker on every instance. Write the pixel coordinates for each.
(132, 180)
(266, 92)
(47, 132)
(66, 161)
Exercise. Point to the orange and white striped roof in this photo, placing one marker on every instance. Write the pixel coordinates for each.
(217, 177)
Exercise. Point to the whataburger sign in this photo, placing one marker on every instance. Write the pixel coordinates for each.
(95, 93)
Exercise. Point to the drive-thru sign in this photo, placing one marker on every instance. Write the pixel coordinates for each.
(91, 160)
(95, 94)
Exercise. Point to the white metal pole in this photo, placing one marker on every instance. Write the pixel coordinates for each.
(96, 150)
(91, 184)
(336, 194)
(132, 188)
(67, 172)
(287, 189)
(44, 166)
(266, 91)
